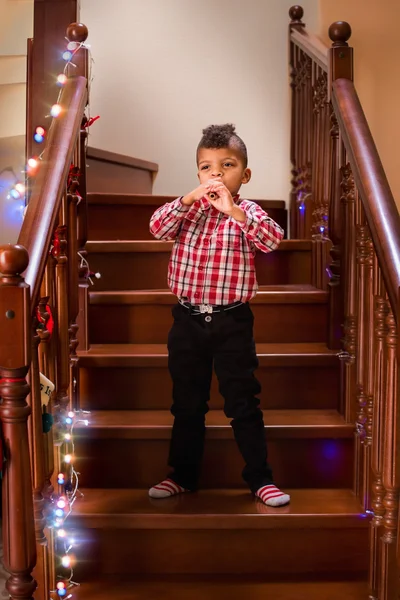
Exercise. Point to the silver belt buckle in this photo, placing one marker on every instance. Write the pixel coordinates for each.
(206, 308)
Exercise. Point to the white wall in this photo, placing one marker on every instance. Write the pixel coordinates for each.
(16, 25)
(165, 69)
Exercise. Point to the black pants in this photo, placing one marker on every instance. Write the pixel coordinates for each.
(193, 345)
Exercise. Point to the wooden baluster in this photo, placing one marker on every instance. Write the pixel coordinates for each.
(15, 356)
(37, 456)
(377, 489)
(391, 483)
(336, 301)
(59, 252)
(47, 365)
(73, 200)
(296, 14)
(364, 391)
(350, 281)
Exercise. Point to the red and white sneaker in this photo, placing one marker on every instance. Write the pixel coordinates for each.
(166, 488)
(272, 496)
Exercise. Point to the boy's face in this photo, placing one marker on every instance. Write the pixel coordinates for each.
(224, 164)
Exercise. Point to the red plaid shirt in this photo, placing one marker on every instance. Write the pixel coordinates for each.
(212, 260)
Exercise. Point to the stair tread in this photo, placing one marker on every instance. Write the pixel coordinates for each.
(155, 199)
(267, 294)
(235, 588)
(93, 246)
(223, 508)
(272, 354)
(138, 424)
(309, 348)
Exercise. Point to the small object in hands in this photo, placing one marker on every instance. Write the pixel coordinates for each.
(212, 195)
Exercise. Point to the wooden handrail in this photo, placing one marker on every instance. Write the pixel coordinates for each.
(312, 46)
(38, 226)
(379, 204)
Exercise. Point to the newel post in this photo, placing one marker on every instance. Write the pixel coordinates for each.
(15, 358)
(340, 66)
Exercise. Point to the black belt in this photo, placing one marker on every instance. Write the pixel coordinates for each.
(201, 309)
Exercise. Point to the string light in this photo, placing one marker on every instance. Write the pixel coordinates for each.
(62, 79)
(39, 135)
(68, 493)
(55, 110)
(67, 55)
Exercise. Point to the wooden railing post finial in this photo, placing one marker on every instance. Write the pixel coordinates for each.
(77, 32)
(14, 259)
(339, 33)
(340, 55)
(296, 13)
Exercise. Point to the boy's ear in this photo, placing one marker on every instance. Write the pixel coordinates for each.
(246, 176)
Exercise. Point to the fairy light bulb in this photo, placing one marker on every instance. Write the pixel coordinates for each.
(61, 533)
(61, 589)
(61, 503)
(39, 135)
(61, 479)
(66, 561)
(62, 79)
(68, 458)
(55, 110)
(59, 512)
(33, 163)
(71, 414)
(67, 437)
(68, 421)
(67, 55)
(20, 188)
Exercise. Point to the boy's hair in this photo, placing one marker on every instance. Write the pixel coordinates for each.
(223, 136)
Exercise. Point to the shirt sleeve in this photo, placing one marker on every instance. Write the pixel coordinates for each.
(166, 221)
(259, 228)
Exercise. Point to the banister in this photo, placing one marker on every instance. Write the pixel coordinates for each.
(312, 46)
(378, 201)
(38, 226)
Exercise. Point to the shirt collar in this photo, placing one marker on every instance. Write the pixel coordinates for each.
(205, 204)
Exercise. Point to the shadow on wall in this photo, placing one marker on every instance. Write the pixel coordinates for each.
(12, 163)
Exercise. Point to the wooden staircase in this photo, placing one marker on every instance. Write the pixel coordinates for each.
(217, 542)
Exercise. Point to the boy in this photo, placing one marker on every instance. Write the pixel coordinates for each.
(211, 271)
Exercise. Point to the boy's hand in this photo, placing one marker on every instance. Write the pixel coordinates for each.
(199, 192)
(223, 200)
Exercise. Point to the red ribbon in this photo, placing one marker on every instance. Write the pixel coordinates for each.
(91, 121)
(12, 380)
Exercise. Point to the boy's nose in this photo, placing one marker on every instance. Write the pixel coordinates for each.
(216, 174)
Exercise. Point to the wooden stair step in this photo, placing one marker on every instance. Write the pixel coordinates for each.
(288, 380)
(307, 449)
(142, 265)
(219, 589)
(267, 294)
(159, 246)
(217, 509)
(142, 355)
(286, 313)
(157, 424)
(154, 200)
(218, 532)
(127, 216)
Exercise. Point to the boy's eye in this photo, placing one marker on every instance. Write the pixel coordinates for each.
(228, 164)
(204, 167)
